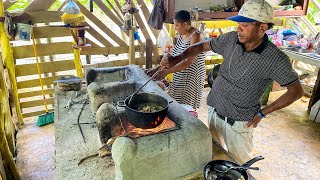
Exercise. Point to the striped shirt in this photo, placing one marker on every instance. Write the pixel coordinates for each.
(187, 86)
(244, 76)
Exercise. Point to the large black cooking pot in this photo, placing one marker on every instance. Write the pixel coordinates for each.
(220, 169)
(145, 120)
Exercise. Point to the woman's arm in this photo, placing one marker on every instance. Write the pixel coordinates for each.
(183, 64)
(189, 60)
(192, 51)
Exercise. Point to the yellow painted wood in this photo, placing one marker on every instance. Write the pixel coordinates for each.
(213, 61)
(278, 21)
(108, 12)
(49, 32)
(35, 113)
(36, 83)
(45, 16)
(20, 52)
(100, 25)
(35, 93)
(2, 171)
(77, 63)
(46, 67)
(172, 31)
(35, 103)
(9, 62)
(10, 131)
(219, 24)
(7, 145)
(4, 146)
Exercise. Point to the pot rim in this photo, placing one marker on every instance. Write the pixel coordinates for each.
(127, 99)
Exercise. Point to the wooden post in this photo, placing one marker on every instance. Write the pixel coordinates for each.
(12, 172)
(2, 171)
(131, 53)
(6, 124)
(149, 47)
(7, 55)
(88, 59)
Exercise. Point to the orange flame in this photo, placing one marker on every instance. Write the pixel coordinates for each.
(134, 132)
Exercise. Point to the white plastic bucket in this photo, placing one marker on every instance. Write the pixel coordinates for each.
(314, 113)
(23, 32)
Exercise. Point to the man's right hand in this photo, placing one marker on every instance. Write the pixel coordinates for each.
(152, 71)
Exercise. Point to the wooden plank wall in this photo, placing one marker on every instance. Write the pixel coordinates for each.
(29, 91)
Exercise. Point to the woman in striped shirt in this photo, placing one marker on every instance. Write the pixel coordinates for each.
(189, 75)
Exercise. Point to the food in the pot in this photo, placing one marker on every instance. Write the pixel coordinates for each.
(149, 107)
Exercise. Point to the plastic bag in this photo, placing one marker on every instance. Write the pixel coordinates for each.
(71, 8)
(157, 15)
(164, 42)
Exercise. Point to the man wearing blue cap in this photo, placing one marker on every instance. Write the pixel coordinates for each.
(251, 63)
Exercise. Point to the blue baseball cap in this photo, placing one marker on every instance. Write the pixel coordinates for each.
(239, 18)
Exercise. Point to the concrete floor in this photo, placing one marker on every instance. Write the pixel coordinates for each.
(289, 142)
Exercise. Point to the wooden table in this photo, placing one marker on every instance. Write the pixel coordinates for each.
(312, 60)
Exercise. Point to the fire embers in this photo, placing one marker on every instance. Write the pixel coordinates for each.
(111, 125)
(157, 122)
(133, 132)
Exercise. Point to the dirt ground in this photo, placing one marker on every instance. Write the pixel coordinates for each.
(36, 150)
(289, 142)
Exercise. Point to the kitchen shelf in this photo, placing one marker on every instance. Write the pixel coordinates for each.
(169, 6)
(75, 46)
(79, 28)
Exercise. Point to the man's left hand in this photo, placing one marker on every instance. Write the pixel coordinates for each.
(254, 122)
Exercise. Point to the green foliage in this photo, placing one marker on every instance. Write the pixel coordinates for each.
(55, 6)
(19, 6)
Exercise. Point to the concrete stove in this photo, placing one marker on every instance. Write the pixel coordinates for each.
(168, 155)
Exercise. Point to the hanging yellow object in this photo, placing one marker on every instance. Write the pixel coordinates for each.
(72, 18)
(77, 63)
(169, 77)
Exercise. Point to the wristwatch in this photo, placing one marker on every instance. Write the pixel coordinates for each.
(260, 114)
